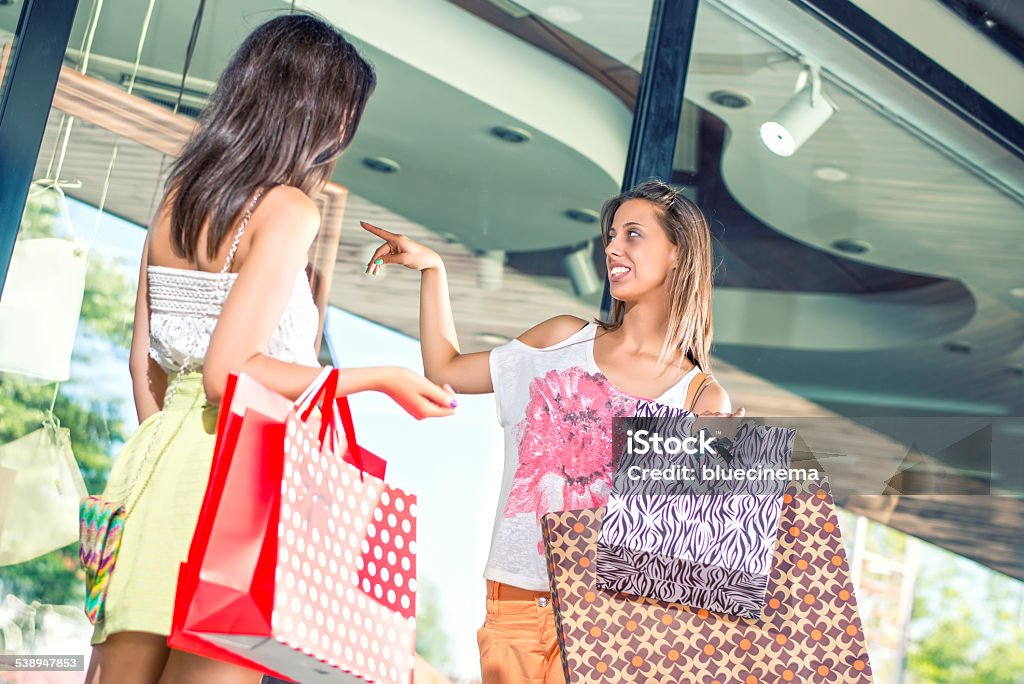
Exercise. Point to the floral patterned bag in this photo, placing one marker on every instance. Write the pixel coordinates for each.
(809, 630)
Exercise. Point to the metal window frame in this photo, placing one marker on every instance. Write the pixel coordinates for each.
(921, 71)
(659, 102)
(40, 42)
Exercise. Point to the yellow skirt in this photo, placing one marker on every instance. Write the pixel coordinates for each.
(161, 475)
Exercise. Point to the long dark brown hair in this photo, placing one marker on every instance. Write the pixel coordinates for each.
(689, 321)
(285, 108)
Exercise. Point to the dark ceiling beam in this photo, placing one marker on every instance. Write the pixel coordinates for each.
(922, 72)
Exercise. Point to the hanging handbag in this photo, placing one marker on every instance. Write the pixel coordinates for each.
(40, 487)
(46, 275)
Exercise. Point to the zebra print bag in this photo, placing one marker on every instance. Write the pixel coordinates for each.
(703, 538)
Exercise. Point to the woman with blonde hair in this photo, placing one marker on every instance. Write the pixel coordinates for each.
(559, 385)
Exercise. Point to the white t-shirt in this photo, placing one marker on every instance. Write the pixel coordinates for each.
(556, 408)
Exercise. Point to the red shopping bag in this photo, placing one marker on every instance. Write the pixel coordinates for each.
(302, 564)
(248, 409)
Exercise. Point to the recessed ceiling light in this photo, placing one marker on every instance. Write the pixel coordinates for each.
(1018, 292)
(958, 347)
(851, 246)
(560, 14)
(381, 164)
(583, 215)
(730, 99)
(511, 134)
(830, 174)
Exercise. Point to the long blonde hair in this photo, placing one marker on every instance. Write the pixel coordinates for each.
(689, 320)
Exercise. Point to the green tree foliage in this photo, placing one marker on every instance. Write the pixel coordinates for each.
(432, 641)
(95, 427)
(969, 625)
(943, 655)
(948, 655)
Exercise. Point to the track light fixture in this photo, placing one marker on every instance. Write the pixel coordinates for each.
(801, 116)
(579, 265)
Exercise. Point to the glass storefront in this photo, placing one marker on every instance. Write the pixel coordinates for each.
(866, 236)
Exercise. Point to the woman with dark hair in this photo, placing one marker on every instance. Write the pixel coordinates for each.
(558, 387)
(223, 289)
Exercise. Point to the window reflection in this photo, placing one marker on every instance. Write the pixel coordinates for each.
(875, 269)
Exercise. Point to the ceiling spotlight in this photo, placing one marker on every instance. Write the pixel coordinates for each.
(800, 117)
(511, 134)
(490, 272)
(579, 265)
(730, 99)
(381, 164)
(583, 215)
(851, 246)
(1017, 292)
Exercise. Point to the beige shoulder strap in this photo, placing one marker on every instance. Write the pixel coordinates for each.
(696, 388)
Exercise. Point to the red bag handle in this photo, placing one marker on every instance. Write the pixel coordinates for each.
(342, 412)
(307, 400)
(326, 386)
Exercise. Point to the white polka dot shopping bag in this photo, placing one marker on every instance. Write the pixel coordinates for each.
(303, 564)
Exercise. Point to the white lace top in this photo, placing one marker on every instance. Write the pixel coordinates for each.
(185, 304)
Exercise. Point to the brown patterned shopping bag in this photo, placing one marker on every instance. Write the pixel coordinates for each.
(809, 630)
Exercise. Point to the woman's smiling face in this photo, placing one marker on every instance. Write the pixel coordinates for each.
(638, 252)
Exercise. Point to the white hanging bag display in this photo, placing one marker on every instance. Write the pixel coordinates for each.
(41, 304)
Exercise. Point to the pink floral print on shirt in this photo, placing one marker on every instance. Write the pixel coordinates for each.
(565, 443)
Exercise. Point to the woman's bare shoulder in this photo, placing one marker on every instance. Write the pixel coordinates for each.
(286, 206)
(552, 331)
(714, 399)
(285, 217)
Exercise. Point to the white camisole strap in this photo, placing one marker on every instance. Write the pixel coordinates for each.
(241, 230)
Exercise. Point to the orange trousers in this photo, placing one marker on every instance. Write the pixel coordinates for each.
(518, 642)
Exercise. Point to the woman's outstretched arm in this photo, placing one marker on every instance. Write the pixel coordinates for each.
(443, 362)
(281, 231)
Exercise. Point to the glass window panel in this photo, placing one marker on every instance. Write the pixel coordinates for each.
(868, 267)
(505, 144)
